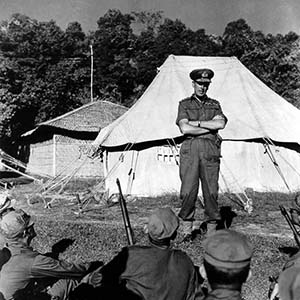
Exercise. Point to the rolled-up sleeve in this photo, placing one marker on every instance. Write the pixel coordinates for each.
(44, 266)
(182, 113)
(220, 113)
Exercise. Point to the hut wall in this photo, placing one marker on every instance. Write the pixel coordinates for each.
(41, 158)
(63, 156)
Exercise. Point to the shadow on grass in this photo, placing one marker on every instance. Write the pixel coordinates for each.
(290, 251)
(59, 247)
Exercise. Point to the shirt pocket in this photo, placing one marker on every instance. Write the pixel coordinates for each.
(211, 112)
(193, 114)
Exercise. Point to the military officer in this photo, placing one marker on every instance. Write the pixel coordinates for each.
(199, 119)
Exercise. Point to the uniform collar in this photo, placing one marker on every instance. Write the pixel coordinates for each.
(232, 287)
(16, 247)
(200, 99)
(225, 293)
(160, 244)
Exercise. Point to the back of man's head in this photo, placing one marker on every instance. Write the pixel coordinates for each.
(218, 276)
(227, 256)
(162, 225)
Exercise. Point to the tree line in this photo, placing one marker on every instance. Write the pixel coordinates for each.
(45, 71)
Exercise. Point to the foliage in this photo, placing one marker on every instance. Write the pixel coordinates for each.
(42, 71)
(113, 41)
(147, 21)
(45, 71)
(274, 59)
(238, 38)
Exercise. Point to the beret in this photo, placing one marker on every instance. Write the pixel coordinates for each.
(289, 284)
(227, 248)
(14, 222)
(202, 75)
(162, 224)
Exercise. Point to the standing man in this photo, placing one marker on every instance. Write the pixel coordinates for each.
(199, 119)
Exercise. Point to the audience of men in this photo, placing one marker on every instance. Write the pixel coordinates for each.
(155, 271)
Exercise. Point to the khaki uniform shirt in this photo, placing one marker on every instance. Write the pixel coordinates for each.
(194, 109)
(154, 273)
(26, 264)
(224, 294)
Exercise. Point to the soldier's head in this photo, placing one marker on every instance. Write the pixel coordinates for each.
(201, 80)
(227, 257)
(162, 226)
(17, 225)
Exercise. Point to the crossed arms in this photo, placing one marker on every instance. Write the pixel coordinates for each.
(201, 127)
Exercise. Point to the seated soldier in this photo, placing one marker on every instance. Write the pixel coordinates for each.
(155, 271)
(286, 281)
(20, 274)
(226, 264)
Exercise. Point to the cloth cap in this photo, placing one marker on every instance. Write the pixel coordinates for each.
(227, 248)
(289, 284)
(14, 222)
(202, 75)
(162, 224)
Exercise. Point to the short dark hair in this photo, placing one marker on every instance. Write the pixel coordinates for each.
(226, 276)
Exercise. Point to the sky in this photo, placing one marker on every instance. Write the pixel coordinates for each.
(269, 16)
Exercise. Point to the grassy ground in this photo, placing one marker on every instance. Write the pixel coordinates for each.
(98, 231)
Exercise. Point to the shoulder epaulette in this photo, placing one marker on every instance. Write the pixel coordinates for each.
(212, 102)
(185, 99)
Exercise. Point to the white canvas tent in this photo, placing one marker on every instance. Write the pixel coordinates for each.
(260, 147)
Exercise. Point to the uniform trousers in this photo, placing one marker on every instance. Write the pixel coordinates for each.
(199, 161)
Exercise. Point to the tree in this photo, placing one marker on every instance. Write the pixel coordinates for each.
(205, 45)
(147, 21)
(43, 71)
(74, 43)
(113, 42)
(153, 47)
(269, 56)
(238, 38)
